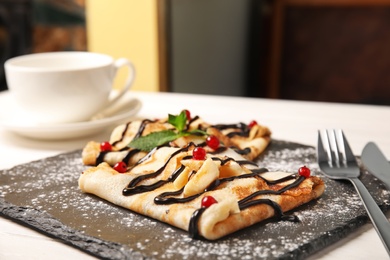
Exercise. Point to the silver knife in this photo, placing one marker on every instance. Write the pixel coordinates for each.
(376, 163)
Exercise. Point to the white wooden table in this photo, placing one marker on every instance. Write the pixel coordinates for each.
(289, 120)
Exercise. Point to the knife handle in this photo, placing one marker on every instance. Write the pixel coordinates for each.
(379, 220)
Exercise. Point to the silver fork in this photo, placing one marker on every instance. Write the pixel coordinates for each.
(336, 160)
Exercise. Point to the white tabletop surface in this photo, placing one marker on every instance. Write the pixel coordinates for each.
(289, 120)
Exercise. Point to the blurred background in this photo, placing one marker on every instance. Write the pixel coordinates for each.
(318, 50)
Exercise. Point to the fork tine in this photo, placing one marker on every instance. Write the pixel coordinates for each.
(341, 143)
(329, 139)
(334, 149)
(332, 145)
(322, 154)
(348, 154)
(326, 148)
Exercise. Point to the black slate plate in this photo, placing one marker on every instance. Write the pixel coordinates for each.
(44, 195)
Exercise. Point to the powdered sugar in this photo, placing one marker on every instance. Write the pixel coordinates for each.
(50, 186)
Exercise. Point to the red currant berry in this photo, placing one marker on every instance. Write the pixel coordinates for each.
(105, 146)
(252, 123)
(199, 153)
(207, 201)
(304, 171)
(188, 114)
(212, 141)
(120, 167)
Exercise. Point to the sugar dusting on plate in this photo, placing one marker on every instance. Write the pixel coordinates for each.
(49, 189)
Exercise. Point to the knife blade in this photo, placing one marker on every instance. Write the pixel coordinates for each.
(376, 163)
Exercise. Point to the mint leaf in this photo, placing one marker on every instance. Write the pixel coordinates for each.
(152, 140)
(197, 132)
(179, 121)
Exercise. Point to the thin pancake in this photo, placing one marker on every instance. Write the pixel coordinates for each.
(248, 141)
(246, 194)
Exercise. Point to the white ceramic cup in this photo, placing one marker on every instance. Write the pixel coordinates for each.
(64, 87)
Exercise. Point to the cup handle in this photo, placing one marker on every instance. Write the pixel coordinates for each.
(121, 62)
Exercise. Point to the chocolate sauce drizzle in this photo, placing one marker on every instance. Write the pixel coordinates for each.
(132, 187)
(123, 134)
(249, 202)
(191, 121)
(100, 157)
(243, 131)
(172, 197)
(193, 230)
(167, 197)
(130, 152)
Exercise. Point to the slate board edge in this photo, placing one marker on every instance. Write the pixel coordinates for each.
(53, 228)
(44, 223)
(326, 239)
(111, 250)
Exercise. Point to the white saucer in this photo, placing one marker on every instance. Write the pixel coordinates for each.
(12, 119)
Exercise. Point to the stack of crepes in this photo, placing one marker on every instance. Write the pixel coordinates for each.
(189, 181)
